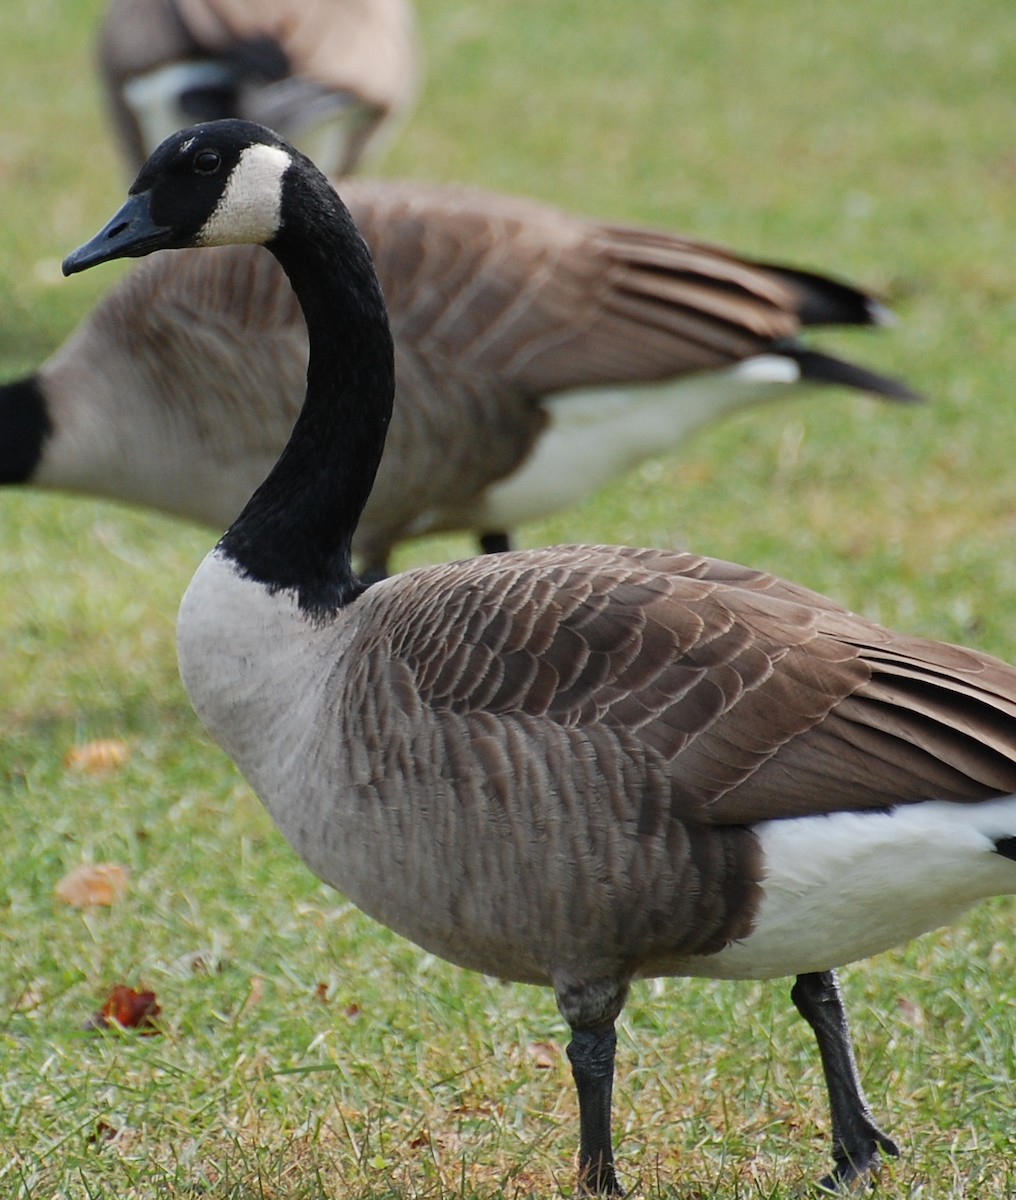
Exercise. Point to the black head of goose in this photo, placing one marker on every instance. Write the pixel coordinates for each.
(577, 766)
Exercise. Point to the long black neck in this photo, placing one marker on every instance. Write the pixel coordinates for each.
(296, 530)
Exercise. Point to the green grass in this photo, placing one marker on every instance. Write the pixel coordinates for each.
(865, 139)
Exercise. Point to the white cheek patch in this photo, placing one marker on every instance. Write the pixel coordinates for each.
(250, 210)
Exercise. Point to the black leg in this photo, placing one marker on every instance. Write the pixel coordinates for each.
(495, 543)
(591, 1053)
(857, 1140)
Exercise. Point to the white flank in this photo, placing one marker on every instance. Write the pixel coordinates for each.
(593, 436)
(846, 886)
(250, 209)
(768, 368)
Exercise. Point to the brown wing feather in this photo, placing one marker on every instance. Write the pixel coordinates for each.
(634, 713)
(553, 301)
(755, 698)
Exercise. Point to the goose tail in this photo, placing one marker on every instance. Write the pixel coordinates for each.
(826, 301)
(818, 367)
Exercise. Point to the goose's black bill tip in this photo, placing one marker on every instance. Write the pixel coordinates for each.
(129, 234)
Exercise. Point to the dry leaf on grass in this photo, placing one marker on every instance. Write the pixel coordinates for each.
(30, 998)
(912, 1013)
(127, 1009)
(204, 961)
(93, 884)
(98, 757)
(543, 1054)
(480, 1110)
(254, 995)
(103, 1133)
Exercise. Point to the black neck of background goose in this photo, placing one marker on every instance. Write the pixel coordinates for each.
(24, 428)
(296, 530)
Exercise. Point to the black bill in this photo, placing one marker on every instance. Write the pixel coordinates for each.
(131, 233)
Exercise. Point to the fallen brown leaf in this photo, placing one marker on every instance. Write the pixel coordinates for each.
(543, 1054)
(204, 961)
(92, 884)
(98, 757)
(255, 992)
(129, 1010)
(476, 1111)
(103, 1132)
(30, 998)
(912, 1013)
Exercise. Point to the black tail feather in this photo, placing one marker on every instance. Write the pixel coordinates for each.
(825, 301)
(824, 368)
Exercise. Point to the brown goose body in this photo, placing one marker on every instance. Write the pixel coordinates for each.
(586, 783)
(334, 75)
(538, 355)
(584, 766)
(574, 766)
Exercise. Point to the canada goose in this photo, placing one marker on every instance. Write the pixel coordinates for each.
(575, 766)
(538, 355)
(333, 76)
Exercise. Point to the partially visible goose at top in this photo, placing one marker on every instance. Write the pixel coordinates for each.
(334, 76)
(538, 355)
(577, 766)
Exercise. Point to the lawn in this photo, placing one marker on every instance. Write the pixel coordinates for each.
(304, 1052)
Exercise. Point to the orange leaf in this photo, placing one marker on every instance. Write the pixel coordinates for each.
(98, 757)
(128, 1009)
(92, 884)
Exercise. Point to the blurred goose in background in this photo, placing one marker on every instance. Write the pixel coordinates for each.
(334, 76)
(538, 355)
(576, 766)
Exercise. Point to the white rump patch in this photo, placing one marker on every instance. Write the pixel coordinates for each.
(594, 434)
(768, 368)
(250, 210)
(843, 887)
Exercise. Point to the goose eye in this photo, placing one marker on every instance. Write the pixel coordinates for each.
(206, 162)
